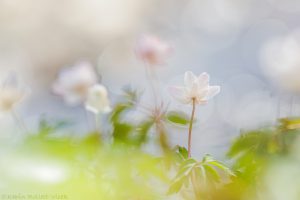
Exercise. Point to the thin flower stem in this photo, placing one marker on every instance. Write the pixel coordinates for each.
(19, 120)
(97, 122)
(86, 116)
(151, 78)
(191, 127)
(156, 83)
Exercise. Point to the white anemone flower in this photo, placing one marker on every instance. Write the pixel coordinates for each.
(195, 89)
(97, 100)
(152, 50)
(11, 93)
(73, 83)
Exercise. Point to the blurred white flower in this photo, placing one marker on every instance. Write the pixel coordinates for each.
(11, 93)
(97, 100)
(152, 50)
(281, 61)
(195, 89)
(73, 83)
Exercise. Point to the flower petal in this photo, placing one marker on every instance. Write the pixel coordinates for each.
(73, 82)
(152, 50)
(189, 79)
(12, 92)
(97, 100)
(179, 93)
(72, 99)
(212, 91)
(203, 79)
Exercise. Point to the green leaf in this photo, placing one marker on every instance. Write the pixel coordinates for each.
(203, 173)
(208, 159)
(182, 176)
(290, 123)
(142, 131)
(176, 186)
(222, 167)
(212, 173)
(47, 126)
(179, 118)
(121, 132)
(183, 151)
(255, 140)
(92, 139)
(131, 95)
(118, 111)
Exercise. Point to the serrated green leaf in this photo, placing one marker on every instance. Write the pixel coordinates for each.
(176, 186)
(182, 176)
(222, 167)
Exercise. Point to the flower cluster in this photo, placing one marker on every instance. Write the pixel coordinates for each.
(79, 84)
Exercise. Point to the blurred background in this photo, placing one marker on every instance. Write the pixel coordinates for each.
(250, 48)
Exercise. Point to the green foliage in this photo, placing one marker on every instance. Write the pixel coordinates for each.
(181, 152)
(254, 150)
(202, 175)
(254, 153)
(93, 166)
(95, 170)
(142, 131)
(179, 118)
(47, 127)
(127, 132)
(110, 163)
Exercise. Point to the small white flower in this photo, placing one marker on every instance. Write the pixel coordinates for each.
(152, 50)
(97, 100)
(11, 93)
(73, 83)
(195, 88)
